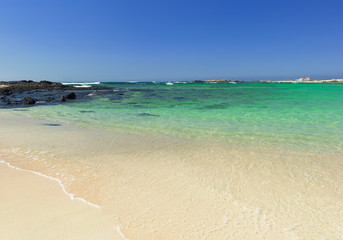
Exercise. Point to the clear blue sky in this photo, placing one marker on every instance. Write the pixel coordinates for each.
(170, 40)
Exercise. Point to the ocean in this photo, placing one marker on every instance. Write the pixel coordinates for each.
(194, 160)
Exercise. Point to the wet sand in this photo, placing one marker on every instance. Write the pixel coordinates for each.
(34, 207)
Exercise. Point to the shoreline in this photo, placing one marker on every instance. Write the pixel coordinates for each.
(70, 195)
(27, 200)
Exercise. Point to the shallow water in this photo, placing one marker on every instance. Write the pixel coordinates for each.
(195, 161)
(304, 115)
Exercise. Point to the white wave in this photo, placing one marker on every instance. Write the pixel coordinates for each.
(83, 86)
(80, 83)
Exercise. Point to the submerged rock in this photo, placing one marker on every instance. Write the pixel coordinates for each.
(52, 124)
(29, 100)
(148, 115)
(20, 110)
(83, 111)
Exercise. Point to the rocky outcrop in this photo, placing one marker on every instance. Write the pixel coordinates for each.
(26, 85)
(28, 93)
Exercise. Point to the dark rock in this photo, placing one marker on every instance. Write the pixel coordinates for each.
(71, 95)
(6, 92)
(46, 82)
(29, 100)
(52, 124)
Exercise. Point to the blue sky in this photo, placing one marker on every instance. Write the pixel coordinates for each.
(170, 40)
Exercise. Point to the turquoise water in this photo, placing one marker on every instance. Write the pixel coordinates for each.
(267, 114)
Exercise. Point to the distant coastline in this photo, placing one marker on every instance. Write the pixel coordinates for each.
(264, 81)
(32, 84)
